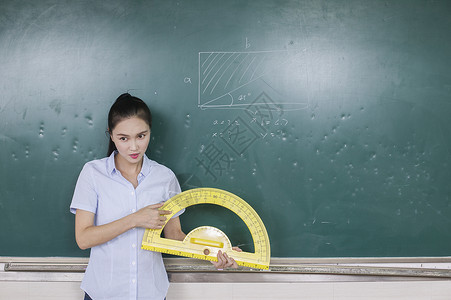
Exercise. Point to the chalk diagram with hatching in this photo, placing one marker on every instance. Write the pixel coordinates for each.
(240, 80)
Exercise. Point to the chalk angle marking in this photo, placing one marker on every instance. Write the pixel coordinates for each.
(205, 242)
(225, 76)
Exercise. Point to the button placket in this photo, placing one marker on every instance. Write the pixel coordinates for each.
(133, 248)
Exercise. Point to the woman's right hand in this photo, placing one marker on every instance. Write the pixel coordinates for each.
(89, 235)
(151, 217)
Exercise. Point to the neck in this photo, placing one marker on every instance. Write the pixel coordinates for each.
(126, 167)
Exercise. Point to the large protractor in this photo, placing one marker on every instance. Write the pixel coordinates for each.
(204, 242)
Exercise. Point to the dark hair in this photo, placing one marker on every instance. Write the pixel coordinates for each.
(126, 106)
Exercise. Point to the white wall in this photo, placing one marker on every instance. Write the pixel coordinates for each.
(410, 290)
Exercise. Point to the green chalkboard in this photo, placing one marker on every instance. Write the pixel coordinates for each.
(330, 118)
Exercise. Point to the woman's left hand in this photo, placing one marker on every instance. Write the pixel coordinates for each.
(225, 261)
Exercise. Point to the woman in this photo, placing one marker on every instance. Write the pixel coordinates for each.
(115, 199)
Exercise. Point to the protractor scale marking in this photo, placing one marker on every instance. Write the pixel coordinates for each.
(205, 242)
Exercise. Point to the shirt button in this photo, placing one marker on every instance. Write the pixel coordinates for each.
(133, 210)
(132, 193)
(133, 263)
(134, 246)
(134, 280)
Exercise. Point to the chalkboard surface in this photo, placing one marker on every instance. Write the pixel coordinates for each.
(330, 118)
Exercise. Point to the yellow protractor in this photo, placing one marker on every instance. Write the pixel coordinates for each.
(205, 242)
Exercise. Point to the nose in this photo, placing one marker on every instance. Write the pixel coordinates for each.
(133, 145)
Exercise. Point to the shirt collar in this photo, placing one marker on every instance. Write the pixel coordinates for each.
(145, 169)
(111, 166)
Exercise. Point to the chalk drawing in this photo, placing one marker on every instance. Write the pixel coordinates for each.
(235, 80)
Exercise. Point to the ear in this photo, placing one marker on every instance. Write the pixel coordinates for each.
(108, 133)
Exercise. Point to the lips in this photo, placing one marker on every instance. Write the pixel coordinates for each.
(134, 156)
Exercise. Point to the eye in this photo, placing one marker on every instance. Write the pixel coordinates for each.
(141, 136)
(123, 138)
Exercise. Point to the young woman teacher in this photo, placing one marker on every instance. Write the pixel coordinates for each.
(115, 199)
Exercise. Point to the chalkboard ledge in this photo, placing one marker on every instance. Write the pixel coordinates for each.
(281, 269)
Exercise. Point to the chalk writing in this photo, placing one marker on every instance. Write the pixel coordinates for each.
(239, 137)
(227, 122)
(232, 138)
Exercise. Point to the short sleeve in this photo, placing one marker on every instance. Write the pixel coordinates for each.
(174, 189)
(85, 195)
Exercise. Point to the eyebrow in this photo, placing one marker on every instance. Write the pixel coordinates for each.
(126, 135)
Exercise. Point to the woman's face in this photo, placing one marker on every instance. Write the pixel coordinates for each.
(131, 137)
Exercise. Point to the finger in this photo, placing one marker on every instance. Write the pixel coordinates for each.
(221, 260)
(217, 264)
(238, 249)
(220, 257)
(155, 225)
(164, 212)
(224, 261)
(155, 206)
(158, 224)
(232, 261)
(234, 264)
(229, 261)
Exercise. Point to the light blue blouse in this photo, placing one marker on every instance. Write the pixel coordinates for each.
(120, 269)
